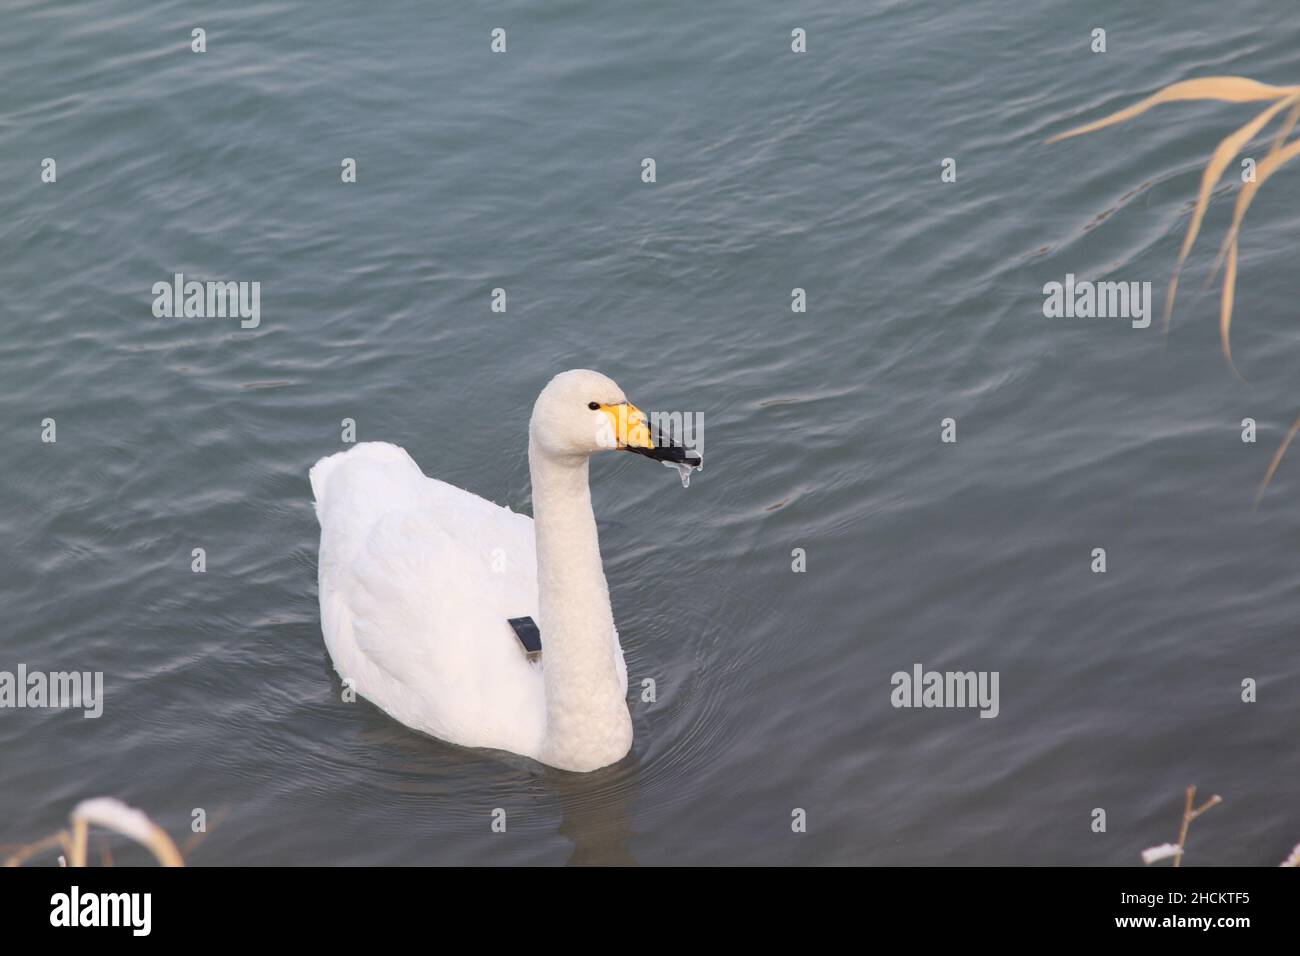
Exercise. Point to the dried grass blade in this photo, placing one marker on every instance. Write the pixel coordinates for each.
(1277, 460)
(1230, 89)
(1224, 153)
(1266, 168)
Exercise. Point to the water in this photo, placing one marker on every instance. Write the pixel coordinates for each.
(775, 171)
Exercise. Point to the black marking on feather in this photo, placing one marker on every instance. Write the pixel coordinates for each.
(530, 638)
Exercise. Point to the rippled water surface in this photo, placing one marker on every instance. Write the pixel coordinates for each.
(775, 171)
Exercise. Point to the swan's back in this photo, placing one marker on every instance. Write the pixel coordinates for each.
(418, 580)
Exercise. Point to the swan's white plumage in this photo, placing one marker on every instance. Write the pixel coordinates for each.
(418, 579)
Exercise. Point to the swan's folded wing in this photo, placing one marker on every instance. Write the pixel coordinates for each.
(415, 598)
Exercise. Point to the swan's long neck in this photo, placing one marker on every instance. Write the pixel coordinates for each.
(587, 721)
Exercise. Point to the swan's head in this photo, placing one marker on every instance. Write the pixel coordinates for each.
(581, 412)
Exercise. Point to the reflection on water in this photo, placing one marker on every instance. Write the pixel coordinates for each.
(595, 813)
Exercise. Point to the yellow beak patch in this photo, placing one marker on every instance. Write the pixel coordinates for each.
(628, 426)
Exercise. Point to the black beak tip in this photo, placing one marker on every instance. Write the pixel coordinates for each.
(673, 454)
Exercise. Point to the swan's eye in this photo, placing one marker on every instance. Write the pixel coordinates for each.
(593, 405)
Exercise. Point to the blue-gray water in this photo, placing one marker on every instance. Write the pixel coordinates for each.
(775, 170)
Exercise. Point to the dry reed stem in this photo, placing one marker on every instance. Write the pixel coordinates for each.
(1230, 89)
(110, 814)
(1189, 815)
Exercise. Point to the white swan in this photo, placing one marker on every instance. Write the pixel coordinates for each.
(419, 579)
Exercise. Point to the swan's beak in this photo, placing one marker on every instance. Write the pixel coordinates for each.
(634, 434)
